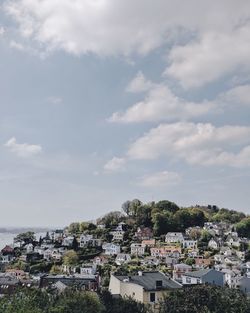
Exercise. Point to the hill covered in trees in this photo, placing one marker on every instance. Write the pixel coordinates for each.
(166, 216)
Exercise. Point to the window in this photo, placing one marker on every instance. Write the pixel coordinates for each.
(152, 297)
(188, 280)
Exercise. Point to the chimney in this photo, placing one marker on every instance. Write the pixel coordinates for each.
(140, 273)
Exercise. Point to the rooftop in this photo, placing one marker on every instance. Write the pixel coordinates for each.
(148, 280)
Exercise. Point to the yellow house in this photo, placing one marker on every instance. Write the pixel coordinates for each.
(146, 287)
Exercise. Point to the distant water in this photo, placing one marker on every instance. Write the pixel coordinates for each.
(7, 238)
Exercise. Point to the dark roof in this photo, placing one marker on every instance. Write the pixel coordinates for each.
(148, 280)
(8, 280)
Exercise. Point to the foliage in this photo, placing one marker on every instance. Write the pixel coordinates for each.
(71, 301)
(243, 227)
(70, 258)
(205, 299)
(26, 238)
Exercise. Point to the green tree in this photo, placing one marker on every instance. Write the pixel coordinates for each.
(70, 258)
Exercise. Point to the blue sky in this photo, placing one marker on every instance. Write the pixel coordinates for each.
(104, 101)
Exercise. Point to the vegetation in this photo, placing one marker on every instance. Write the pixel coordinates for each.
(197, 299)
(205, 299)
(71, 301)
(243, 227)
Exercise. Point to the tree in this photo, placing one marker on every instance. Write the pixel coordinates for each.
(74, 228)
(209, 299)
(243, 227)
(26, 238)
(166, 205)
(70, 258)
(75, 244)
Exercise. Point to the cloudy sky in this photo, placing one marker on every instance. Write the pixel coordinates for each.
(103, 101)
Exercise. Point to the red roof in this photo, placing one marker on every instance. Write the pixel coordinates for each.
(7, 249)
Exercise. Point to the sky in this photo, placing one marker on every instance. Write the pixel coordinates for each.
(102, 101)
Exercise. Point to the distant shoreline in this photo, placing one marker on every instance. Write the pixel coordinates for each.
(18, 230)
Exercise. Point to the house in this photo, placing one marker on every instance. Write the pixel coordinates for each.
(174, 238)
(5, 259)
(246, 269)
(89, 241)
(29, 248)
(101, 226)
(150, 261)
(193, 253)
(57, 235)
(87, 282)
(233, 241)
(118, 235)
(170, 261)
(226, 251)
(241, 255)
(144, 233)
(111, 249)
(137, 249)
(188, 243)
(213, 244)
(84, 240)
(88, 269)
(122, 258)
(205, 276)
(166, 251)
(146, 287)
(8, 284)
(244, 285)
(232, 277)
(149, 242)
(232, 260)
(56, 255)
(7, 250)
(218, 258)
(19, 274)
(100, 260)
(179, 270)
(68, 241)
(201, 262)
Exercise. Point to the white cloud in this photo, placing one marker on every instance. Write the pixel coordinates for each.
(237, 95)
(23, 150)
(160, 179)
(209, 39)
(210, 57)
(202, 144)
(17, 45)
(115, 164)
(110, 26)
(160, 104)
(2, 30)
(139, 84)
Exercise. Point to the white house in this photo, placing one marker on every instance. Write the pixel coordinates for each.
(189, 243)
(111, 249)
(68, 241)
(137, 249)
(85, 239)
(233, 241)
(122, 258)
(232, 277)
(118, 235)
(213, 244)
(174, 237)
(88, 269)
(29, 248)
